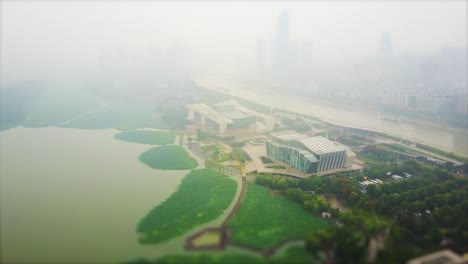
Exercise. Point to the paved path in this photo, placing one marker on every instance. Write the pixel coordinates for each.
(238, 203)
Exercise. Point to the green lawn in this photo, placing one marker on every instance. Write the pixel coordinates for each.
(263, 220)
(169, 157)
(202, 196)
(147, 137)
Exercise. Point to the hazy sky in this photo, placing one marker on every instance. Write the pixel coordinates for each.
(57, 38)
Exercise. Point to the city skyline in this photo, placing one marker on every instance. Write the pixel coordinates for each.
(212, 32)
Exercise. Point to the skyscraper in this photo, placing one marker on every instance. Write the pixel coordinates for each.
(386, 47)
(260, 55)
(282, 27)
(281, 43)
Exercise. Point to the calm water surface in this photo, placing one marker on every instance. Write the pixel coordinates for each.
(69, 194)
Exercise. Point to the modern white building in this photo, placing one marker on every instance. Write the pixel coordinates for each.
(228, 115)
(308, 154)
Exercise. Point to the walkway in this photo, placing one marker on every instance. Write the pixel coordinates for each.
(238, 203)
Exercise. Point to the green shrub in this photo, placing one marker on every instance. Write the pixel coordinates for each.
(169, 157)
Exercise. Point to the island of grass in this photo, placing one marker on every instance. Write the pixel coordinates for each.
(170, 157)
(147, 137)
(202, 196)
(263, 221)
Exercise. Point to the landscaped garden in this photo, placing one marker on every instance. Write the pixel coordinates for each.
(264, 220)
(147, 137)
(202, 196)
(171, 157)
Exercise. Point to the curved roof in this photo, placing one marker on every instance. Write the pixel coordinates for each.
(205, 110)
(320, 145)
(288, 135)
(311, 157)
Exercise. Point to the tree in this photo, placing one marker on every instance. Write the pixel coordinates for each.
(353, 198)
(215, 153)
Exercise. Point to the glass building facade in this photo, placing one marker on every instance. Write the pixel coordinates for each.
(297, 158)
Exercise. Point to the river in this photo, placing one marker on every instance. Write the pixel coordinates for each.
(70, 194)
(443, 137)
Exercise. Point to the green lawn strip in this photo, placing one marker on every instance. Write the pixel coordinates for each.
(147, 137)
(370, 161)
(263, 220)
(170, 157)
(202, 196)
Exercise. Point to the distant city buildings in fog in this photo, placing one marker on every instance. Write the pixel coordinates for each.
(287, 59)
(386, 46)
(432, 83)
(260, 55)
(281, 55)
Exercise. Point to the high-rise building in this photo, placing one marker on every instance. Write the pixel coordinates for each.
(282, 27)
(281, 42)
(386, 47)
(260, 55)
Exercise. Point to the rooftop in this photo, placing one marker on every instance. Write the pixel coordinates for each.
(287, 135)
(209, 112)
(320, 145)
(233, 114)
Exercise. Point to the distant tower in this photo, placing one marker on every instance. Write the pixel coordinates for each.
(306, 53)
(282, 27)
(386, 47)
(260, 55)
(281, 42)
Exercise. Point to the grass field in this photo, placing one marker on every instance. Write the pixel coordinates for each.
(263, 220)
(147, 137)
(202, 196)
(169, 157)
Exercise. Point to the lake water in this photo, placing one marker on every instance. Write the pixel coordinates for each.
(69, 194)
(447, 138)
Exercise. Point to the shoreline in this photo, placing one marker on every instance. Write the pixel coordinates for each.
(444, 137)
